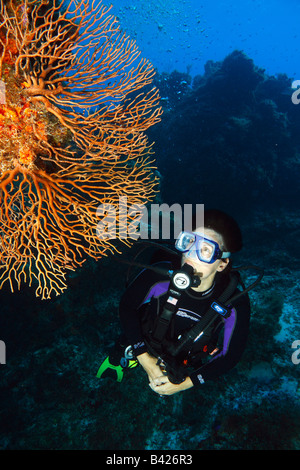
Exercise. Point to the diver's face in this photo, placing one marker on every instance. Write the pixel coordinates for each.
(204, 270)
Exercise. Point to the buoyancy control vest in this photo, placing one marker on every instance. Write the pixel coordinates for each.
(173, 354)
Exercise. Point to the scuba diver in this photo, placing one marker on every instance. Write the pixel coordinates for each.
(184, 318)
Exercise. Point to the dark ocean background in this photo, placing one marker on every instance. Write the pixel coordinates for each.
(229, 138)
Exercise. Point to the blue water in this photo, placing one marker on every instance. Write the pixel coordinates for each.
(183, 35)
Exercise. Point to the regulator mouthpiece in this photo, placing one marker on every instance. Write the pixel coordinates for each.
(185, 278)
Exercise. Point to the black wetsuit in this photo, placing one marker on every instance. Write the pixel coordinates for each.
(229, 334)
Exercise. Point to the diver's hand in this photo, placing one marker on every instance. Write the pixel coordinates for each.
(163, 386)
(149, 364)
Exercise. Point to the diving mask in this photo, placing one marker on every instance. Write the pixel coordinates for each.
(207, 250)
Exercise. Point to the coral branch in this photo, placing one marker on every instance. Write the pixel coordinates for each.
(72, 137)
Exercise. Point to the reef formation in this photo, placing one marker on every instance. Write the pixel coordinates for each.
(234, 127)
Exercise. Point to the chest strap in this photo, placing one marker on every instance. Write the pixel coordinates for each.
(180, 281)
(217, 309)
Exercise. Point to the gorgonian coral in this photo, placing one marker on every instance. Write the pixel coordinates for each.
(75, 102)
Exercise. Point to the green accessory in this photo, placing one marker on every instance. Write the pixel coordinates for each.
(106, 366)
(107, 369)
(132, 364)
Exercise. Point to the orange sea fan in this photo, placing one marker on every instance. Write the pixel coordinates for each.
(71, 133)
